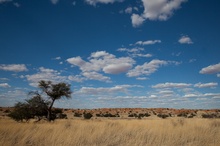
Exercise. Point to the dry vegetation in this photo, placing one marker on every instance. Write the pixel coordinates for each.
(107, 132)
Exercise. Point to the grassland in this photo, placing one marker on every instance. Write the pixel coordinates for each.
(109, 132)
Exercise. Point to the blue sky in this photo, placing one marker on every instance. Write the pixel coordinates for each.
(114, 53)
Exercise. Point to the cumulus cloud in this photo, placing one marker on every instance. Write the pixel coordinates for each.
(185, 40)
(160, 9)
(149, 42)
(147, 68)
(206, 85)
(117, 68)
(94, 2)
(13, 67)
(137, 20)
(210, 69)
(103, 61)
(76, 78)
(171, 85)
(47, 75)
(96, 76)
(4, 85)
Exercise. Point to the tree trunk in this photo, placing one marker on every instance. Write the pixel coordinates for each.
(49, 111)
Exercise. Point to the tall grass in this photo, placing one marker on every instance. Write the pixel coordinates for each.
(156, 132)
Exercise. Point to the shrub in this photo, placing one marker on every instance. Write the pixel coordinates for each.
(163, 116)
(182, 115)
(7, 111)
(77, 115)
(34, 107)
(87, 115)
(147, 115)
(21, 112)
(209, 116)
(61, 116)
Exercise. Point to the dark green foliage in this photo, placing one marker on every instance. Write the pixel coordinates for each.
(98, 115)
(182, 115)
(191, 115)
(163, 116)
(57, 111)
(61, 116)
(7, 111)
(139, 116)
(54, 92)
(147, 115)
(21, 112)
(87, 115)
(210, 116)
(77, 115)
(34, 107)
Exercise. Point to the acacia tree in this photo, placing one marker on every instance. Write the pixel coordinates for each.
(54, 92)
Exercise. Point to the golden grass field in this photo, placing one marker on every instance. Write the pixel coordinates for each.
(109, 132)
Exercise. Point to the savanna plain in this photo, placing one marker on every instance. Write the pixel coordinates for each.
(112, 132)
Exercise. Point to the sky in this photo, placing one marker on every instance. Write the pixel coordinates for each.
(113, 53)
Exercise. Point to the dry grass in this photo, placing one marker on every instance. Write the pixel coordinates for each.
(157, 132)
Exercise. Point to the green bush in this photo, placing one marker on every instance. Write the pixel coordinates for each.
(163, 116)
(87, 115)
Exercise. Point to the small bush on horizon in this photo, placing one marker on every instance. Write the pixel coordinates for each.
(87, 115)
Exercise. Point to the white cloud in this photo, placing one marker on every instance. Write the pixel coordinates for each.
(201, 96)
(137, 20)
(191, 95)
(117, 68)
(3, 1)
(160, 9)
(218, 75)
(96, 76)
(94, 2)
(144, 55)
(4, 85)
(133, 50)
(57, 58)
(206, 85)
(99, 54)
(4, 79)
(128, 10)
(171, 85)
(76, 78)
(54, 1)
(149, 42)
(101, 90)
(185, 40)
(103, 61)
(47, 75)
(141, 78)
(147, 68)
(211, 69)
(13, 67)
